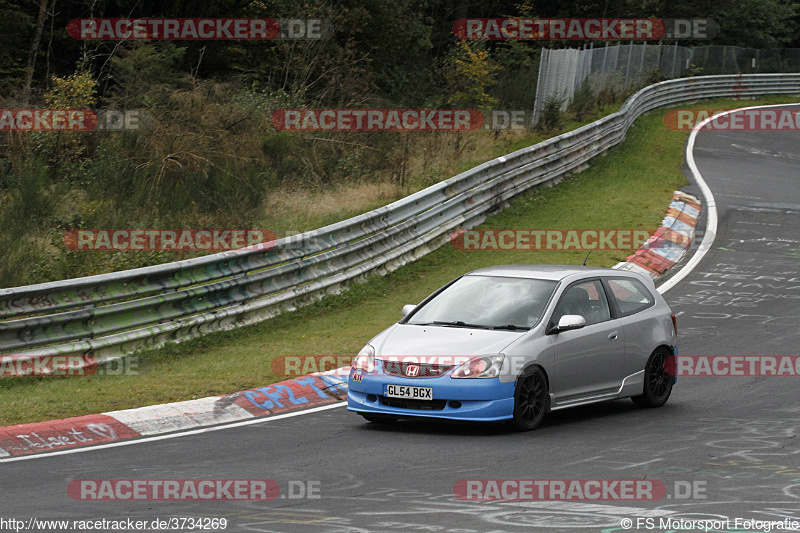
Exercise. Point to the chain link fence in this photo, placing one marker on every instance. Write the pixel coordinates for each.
(618, 69)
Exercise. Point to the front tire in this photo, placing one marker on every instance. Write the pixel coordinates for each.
(657, 380)
(530, 400)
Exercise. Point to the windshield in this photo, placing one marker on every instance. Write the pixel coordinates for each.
(488, 302)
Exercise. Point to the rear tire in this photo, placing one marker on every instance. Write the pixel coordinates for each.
(530, 400)
(379, 419)
(657, 380)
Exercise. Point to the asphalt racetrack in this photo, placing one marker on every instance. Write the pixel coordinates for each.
(724, 447)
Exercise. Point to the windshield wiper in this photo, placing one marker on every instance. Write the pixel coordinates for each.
(462, 324)
(512, 327)
(459, 324)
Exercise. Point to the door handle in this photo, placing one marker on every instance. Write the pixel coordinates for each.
(612, 336)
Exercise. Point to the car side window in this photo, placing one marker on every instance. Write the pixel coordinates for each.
(587, 299)
(631, 295)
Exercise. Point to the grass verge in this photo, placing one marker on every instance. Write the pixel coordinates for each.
(629, 187)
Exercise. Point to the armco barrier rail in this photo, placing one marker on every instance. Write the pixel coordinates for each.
(111, 314)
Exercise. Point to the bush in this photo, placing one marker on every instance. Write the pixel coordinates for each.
(551, 118)
(584, 102)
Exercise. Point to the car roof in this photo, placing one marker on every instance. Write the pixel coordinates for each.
(551, 272)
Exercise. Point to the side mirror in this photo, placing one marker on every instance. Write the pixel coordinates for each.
(407, 309)
(566, 323)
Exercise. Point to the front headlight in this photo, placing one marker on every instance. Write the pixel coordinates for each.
(481, 366)
(365, 360)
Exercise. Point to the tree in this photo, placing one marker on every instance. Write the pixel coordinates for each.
(473, 75)
(34, 50)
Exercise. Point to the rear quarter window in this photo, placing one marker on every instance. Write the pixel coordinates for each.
(631, 295)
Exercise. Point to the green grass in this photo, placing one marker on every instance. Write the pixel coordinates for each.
(630, 187)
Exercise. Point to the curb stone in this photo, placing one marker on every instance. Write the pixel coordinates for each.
(40, 437)
(670, 242)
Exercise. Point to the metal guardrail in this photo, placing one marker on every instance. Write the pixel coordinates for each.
(111, 314)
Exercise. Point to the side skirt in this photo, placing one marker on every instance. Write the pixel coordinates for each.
(631, 386)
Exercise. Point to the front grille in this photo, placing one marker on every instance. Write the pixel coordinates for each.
(419, 405)
(426, 370)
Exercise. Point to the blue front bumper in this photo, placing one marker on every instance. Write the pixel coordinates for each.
(475, 399)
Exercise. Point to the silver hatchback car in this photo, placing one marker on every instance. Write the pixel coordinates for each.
(515, 342)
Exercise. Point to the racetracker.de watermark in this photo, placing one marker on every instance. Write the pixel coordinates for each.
(377, 119)
(65, 366)
(401, 119)
(197, 29)
(301, 365)
(191, 489)
(733, 120)
(69, 120)
(583, 29)
(173, 240)
(548, 239)
(577, 490)
(733, 366)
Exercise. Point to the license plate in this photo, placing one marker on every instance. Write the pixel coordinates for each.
(407, 391)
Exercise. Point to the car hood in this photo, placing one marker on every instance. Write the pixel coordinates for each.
(407, 339)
